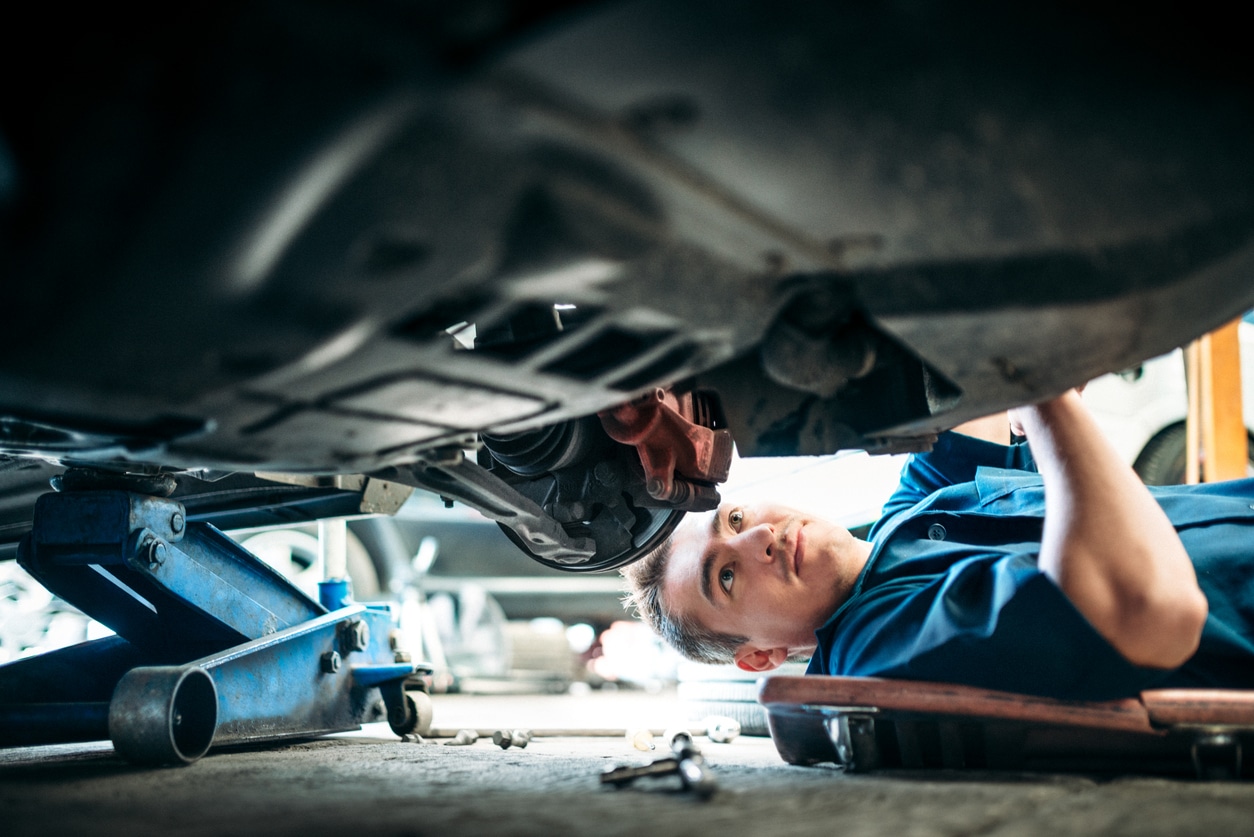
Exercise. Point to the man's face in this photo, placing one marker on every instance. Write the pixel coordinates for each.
(767, 572)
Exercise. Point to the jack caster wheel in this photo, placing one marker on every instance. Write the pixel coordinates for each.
(418, 716)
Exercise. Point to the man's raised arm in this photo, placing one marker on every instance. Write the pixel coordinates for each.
(1107, 543)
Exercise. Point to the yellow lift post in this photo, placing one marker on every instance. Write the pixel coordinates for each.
(1216, 447)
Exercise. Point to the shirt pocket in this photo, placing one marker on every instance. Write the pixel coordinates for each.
(1003, 491)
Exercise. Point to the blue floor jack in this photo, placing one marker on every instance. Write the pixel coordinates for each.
(212, 646)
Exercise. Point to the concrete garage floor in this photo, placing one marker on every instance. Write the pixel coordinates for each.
(370, 782)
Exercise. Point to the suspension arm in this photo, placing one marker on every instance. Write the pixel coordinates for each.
(458, 478)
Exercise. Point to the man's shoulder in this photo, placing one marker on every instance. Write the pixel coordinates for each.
(953, 462)
(971, 506)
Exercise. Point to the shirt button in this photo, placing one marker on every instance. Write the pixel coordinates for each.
(936, 532)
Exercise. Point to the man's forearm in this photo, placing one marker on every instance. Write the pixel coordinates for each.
(1107, 544)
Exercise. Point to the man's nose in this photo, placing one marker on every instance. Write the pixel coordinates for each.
(758, 543)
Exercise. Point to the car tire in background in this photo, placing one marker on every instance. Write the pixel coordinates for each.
(1163, 459)
(540, 656)
(707, 690)
(294, 552)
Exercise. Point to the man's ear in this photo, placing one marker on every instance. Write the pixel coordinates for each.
(749, 658)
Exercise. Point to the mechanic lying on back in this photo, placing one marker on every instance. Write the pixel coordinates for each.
(1075, 582)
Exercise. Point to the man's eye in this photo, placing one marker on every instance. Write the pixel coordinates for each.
(735, 518)
(725, 578)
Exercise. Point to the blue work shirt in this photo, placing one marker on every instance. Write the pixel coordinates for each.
(951, 591)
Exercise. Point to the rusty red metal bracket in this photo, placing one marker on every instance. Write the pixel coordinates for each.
(682, 459)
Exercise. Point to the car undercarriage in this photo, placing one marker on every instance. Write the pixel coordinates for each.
(283, 261)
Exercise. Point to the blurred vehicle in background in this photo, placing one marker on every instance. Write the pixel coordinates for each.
(295, 552)
(1143, 410)
(33, 620)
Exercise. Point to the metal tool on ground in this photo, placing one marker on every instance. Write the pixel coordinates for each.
(674, 734)
(721, 729)
(640, 737)
(506, 738)
(463, 738)
(687, 762)
(724, 731)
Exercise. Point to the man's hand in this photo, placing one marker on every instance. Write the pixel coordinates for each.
(1015, 416)
(1107, 544)
(1015, 419)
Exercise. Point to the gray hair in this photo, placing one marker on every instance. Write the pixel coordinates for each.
(692, 640)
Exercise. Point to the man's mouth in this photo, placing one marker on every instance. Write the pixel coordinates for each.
(798, 551)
